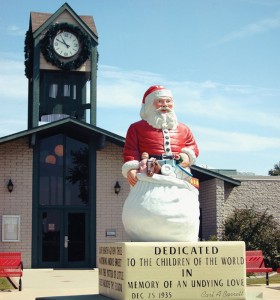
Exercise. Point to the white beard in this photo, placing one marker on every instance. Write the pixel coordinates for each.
(159, 120)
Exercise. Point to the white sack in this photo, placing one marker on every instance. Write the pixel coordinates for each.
(161, 208)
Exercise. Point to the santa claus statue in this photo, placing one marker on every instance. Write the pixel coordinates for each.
(162, 204)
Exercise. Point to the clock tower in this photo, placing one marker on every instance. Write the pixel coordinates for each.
(61, 66)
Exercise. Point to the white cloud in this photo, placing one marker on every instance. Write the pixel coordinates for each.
(123, 88)
(250, 30)
(15, 30)
(238, 104)
(13, 96)
(228, 103)
(13, 83)
(222, 109)
(233, 141)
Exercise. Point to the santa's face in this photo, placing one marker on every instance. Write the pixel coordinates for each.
(160, 114)
(163, 104)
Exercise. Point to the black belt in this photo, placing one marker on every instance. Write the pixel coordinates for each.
(161, 157)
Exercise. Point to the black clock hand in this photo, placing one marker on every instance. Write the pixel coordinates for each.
(61, 42)
(65, 43)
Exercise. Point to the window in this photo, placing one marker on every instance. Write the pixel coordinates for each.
(76, 184)
(51, 171)
(63, 171)
(66, 90)
(63, 94)
(53, 90)
(10, 228)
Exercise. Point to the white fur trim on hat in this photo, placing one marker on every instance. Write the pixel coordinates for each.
(157, 94)
(190, 154)
(130, 165)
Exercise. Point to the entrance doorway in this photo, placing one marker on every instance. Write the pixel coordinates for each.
(63, 241)
(64, 206)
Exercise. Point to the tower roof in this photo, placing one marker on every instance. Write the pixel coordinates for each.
(40, 20)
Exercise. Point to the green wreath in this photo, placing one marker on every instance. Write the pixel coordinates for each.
(28, 54)
(47, 50)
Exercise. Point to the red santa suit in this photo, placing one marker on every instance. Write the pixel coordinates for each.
(160, 208)
(142, 137)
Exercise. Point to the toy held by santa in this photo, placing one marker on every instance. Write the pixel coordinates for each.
(162, 205)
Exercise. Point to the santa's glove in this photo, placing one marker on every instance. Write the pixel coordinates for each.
(130, 165)
(188, 155)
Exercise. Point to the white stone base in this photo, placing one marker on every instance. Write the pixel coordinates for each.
(172, 270)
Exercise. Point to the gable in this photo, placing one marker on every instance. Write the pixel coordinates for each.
(70, 126)
(41, 21)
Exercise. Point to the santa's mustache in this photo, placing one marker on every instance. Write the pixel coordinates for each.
(164, 108)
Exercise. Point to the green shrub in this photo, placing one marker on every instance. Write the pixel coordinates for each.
(212, 238)
(258, 230)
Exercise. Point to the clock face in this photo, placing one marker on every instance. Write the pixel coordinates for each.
(66, 44)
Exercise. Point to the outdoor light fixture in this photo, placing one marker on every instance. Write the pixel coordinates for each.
(117, 188)
(10, 186)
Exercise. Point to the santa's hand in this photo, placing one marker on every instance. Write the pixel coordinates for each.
(131, 177)
(186, 160)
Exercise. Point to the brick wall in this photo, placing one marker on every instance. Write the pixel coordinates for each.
(260, 193)
(220, 204)
(212, 204)
(16, 163)
(108, 204)
(218, 199)
(207, 196)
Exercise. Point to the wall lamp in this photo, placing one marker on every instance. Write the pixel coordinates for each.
(117, 188)
(10, 186)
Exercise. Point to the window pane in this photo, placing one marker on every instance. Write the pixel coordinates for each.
(51, 236)
(77, 236)
(74, 92)
(66, 90)
(53, 90)
(76, 185)
(51, 171)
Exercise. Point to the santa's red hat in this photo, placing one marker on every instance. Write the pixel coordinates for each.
(154, 92)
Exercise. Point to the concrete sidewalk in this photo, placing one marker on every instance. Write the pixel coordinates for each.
(48, 283)
(54, 282)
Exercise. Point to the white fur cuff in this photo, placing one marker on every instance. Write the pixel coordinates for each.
(130, 165)
(190, 154)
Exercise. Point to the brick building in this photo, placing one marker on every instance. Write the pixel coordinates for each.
(63, 202)
(219, 194)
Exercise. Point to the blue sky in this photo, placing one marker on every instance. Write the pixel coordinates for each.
(221, 59)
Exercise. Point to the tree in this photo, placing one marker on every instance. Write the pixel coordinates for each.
(79, 172)
(258, 230)
(275, 171)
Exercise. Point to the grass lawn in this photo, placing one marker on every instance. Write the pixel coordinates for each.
(5, 284)
(272, 279)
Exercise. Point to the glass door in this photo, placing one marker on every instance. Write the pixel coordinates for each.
(63, 239)
(75, 239)
(51, 238)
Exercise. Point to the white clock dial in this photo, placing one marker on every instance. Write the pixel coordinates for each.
(66, 44)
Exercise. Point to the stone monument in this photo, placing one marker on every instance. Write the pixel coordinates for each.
(172, 270)
(165, 260)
